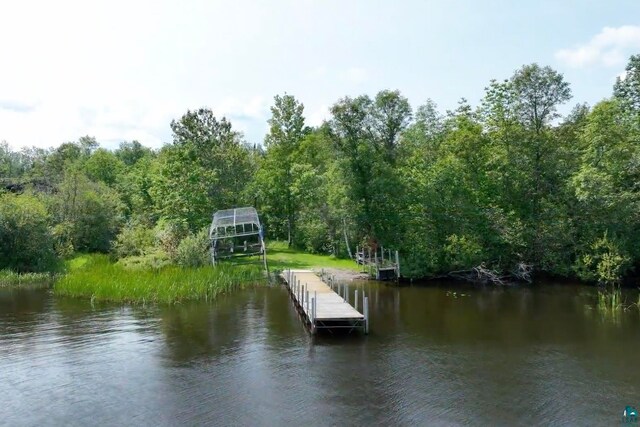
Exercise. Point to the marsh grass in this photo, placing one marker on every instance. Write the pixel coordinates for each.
(99, 279)
(11, 278)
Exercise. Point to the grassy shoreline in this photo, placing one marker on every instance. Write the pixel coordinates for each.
(99, 279)
(11, 278)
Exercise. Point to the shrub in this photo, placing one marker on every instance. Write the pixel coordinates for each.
(193, 250)
(462, 252)
(26, 243)
(169, 235)
(90, 213)
(603, 262)
(134, 240)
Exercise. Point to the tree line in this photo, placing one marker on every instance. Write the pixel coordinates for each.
(504, 183)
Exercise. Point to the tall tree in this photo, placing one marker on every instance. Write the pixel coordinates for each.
(627, 88)
(391, 115)
(286, 131)
(207, 168)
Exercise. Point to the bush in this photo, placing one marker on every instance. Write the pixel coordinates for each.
(169, 235)
(462, 252)
(604, 262)
(193, 250)
(88, 213)
(26, 242)
(134, 240)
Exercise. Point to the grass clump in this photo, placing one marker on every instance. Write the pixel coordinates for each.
(102, 280)
(11, 278)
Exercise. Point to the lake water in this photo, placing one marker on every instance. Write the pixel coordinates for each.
(536, 355)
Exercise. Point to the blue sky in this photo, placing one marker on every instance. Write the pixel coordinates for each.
(121, 70)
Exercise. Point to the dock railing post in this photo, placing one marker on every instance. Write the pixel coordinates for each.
(307, 299)
(347, 293)
(397, 265)
(355, 299)
(366, 314)
(302, 297)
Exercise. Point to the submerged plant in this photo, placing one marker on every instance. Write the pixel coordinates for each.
(610, 303)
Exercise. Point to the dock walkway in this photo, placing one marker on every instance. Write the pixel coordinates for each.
(320, 306)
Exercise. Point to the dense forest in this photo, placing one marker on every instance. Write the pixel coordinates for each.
(506, 183)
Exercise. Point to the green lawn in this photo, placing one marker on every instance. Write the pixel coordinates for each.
(280, 257)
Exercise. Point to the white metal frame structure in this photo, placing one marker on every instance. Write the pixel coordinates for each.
(236, 232)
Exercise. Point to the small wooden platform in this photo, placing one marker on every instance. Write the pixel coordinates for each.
(320, 306)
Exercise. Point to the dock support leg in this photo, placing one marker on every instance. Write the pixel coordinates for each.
(366, 314)
(314, 301)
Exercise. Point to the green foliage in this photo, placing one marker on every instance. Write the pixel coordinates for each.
(132, 152)
(88, 214)
(462, 252)
(135, 239)
(275, 181)
(103, 166)
(206, 168)
(627, 88)
(101, 280)
(603, 262)
(507, 183)
(193, 250)
(26, 242)
(169, 235)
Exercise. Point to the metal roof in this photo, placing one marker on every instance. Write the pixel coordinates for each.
(233, 217)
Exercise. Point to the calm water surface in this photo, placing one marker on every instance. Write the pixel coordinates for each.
(521, 356)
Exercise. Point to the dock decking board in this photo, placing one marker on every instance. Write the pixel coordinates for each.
(332, 310)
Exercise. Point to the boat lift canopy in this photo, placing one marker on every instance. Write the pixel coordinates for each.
(236, 232)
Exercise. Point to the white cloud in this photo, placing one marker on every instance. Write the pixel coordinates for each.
(610, 48)
(355, 75)
(318, 116)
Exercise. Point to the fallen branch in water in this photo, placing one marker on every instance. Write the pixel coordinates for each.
(483, 275)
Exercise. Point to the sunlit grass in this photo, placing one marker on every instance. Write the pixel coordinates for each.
(101, 280)
(11, 278)
(281, 257)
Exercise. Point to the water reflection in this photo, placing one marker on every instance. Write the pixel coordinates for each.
(435, 355)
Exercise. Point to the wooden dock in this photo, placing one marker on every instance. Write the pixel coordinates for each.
(322, 303)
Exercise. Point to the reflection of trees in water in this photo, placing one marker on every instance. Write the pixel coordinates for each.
(201, 329)
(22, 308)
(506, 316)
(23, 302)
(221, 327)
